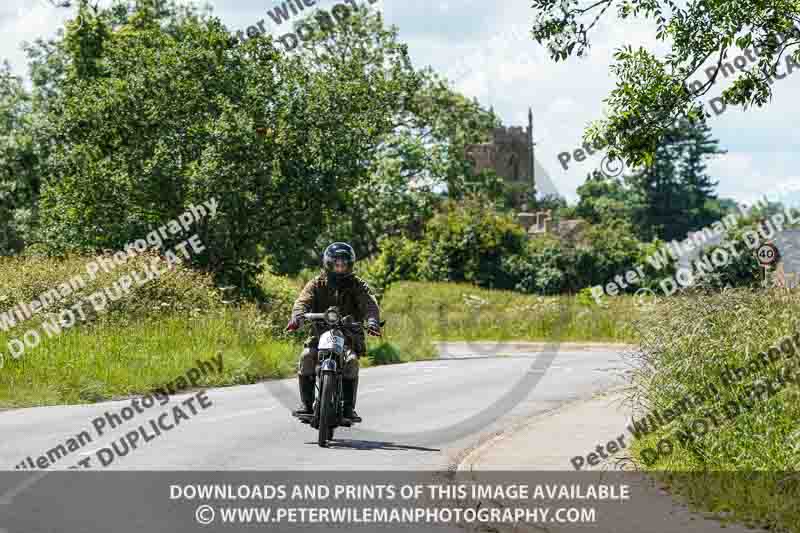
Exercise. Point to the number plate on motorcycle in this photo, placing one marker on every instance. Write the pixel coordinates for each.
(328, 341)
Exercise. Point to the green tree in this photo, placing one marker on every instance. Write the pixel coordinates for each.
(468, 242)
(26, 139)
(676, 194)
(447, 123)
(20, 162)
(152, 121)
(28, 136)
(605, 250)
(410, 168)
(421, 155)
(603, 199)
(652, 89)
(398, 260)
(698, 146)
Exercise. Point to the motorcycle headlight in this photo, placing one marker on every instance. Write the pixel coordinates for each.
(331, 317)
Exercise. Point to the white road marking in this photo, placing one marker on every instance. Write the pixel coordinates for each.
(6, 498)
(236, 415)
(90, 452)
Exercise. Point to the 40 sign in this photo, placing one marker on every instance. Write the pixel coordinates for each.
(767, 254)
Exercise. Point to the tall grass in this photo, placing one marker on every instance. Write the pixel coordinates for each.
(746, 465)
(145, 339)
(88, 365)
(158, 332)
(456, 311)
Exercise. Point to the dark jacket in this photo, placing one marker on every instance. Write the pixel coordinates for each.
(352, 297)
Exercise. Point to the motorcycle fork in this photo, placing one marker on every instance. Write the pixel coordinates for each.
(338, 399)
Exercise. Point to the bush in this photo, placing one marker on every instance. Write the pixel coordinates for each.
(278, 296)
(468, 243)
(23, 279)
(609, 249)
(397, 260)
(550, 265)
(541, 268)
(740, 271)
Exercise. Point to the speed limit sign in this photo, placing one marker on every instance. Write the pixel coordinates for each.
(767, 254)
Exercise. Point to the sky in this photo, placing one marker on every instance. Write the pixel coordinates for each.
(485, 48)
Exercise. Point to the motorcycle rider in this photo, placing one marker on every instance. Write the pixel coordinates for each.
(335, 286)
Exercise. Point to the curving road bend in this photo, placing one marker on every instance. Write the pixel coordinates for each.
(417, 416)
(419, 419)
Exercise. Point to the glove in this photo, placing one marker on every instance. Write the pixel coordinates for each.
(294, 323)
(373, 328)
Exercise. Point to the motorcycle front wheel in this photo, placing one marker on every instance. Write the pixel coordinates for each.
(326, 409)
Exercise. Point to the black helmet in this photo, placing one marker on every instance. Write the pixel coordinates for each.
(338, 250)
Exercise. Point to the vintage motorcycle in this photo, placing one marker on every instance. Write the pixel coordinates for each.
(332, 350)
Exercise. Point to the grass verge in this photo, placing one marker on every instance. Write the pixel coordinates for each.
(722, 374)
(162, 328)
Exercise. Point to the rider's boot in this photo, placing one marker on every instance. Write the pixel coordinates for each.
(307, 387)
(349, 393)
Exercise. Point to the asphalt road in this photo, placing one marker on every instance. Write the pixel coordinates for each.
(416, 416)
(420, 418)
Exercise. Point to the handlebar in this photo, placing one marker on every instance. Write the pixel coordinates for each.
(349, 324)
(314, 316)
(321, 317)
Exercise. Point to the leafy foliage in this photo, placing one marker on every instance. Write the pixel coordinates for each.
(467, 242)
(397, 261)
(413, 165)
(20, 162)
(667, 199)
(741, 270)
(603, 199)
(472, 242)
(107, 190)
(652, 92)
(541, 269)
(675, 194)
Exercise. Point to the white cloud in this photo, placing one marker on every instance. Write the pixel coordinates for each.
(563, 104)
(487, 49)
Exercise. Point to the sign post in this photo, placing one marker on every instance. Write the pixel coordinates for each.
(767, 254)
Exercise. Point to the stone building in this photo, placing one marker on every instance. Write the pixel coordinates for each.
(510, 155)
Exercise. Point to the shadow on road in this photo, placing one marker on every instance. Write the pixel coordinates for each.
(373, 445)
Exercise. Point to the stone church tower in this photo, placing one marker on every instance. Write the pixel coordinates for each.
(510, 154)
